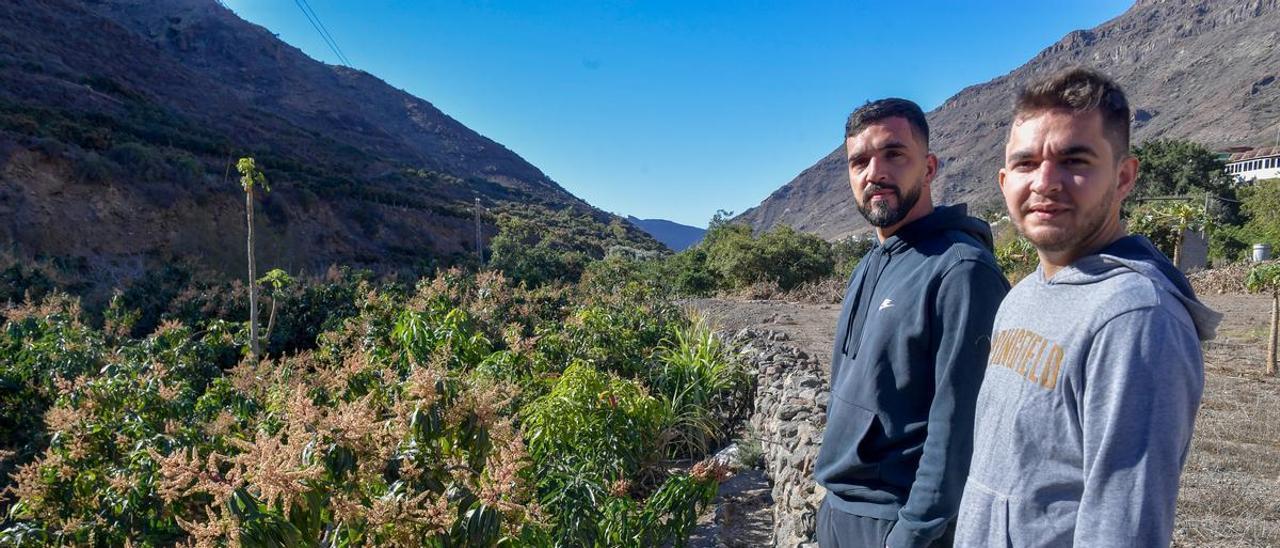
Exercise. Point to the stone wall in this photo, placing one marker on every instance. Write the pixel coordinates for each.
(789, 416)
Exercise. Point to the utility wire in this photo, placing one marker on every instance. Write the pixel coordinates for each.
(325, 29)
(314, 19)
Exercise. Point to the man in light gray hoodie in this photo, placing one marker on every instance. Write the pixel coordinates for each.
(1085, 415)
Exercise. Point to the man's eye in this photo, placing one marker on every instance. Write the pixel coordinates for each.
(1024, 165)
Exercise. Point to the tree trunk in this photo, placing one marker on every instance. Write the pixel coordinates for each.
(1177, 251)
(253, 281)
(1275, 324)
(271, 320)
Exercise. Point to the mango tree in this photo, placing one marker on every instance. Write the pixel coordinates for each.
(1266, 277)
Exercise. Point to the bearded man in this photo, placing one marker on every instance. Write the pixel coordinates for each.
(910, 347)
(1085, 417)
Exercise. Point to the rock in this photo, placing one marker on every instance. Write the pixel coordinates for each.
(789, 411)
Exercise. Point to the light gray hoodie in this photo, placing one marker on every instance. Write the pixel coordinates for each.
(1085, 415)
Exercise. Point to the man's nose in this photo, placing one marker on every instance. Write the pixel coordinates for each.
(876, 170)
(1047, 179)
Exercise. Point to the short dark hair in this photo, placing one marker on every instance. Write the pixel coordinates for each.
(893, 107)
(1081, 90)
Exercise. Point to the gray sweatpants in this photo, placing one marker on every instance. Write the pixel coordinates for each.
(837, 529)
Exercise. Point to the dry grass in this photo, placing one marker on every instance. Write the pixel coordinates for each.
(1230, 492)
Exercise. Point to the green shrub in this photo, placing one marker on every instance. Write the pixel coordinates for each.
(703, 388)
(782, 256)
(846, 253)
(1015, 255)
(1261, 207)
(1175, 167)
(537, 246)
(600, 424)
(139, 161)
(405, 425)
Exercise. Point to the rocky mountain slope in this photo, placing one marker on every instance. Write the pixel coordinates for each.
(119, 119)
(1203, 70)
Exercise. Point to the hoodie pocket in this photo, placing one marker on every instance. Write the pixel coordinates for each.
(844, 460)
(984, 518)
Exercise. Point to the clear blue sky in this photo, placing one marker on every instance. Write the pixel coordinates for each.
(673, 110)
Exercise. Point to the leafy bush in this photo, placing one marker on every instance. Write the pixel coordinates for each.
(595, 423)
(846, 253)
(406, 425)
(1015, 255)
(138, 160)
(1261, 207)
(537, 246)
(1175, 167)
(702, 387)
(782, 256)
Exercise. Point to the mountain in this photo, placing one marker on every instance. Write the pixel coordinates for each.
(674, 235)
(1203, 70)
(120, 121)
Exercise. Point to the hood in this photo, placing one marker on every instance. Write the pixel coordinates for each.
(1137, 254)
(954, 217)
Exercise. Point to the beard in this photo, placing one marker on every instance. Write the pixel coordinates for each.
(1059, 239)
(881, 214)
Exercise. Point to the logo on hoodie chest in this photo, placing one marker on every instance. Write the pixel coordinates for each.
(1026, 353)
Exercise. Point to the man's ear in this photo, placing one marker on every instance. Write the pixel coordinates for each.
(1128, 176)
(930, 168)
(1000, 178)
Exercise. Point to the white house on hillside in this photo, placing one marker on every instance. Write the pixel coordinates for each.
(1259, 163)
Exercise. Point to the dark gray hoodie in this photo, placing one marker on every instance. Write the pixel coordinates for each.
(1086, 412)
(910, 350)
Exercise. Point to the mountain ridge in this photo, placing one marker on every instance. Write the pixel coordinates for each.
(1205, 71)
(120, 119)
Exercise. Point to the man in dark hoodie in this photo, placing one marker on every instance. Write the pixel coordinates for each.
(1085, 416)
(910, 346)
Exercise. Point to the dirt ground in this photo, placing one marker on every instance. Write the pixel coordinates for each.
(1230, 493)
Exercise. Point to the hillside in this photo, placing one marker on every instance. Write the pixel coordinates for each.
(1200, 70)
(118, 120)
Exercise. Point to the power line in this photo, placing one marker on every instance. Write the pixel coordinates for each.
(332, 40)
(314, 19)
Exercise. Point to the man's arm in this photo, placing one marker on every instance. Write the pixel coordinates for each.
(968, 297)
(1143, 382)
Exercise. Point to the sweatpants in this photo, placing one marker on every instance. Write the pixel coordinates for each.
(836, 529)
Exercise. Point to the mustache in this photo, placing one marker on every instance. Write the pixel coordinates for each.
(1049, 205)
(873, 188)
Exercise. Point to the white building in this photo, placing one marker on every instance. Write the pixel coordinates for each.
(1259, 163)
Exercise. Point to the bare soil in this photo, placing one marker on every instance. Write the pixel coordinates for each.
(1230, 493)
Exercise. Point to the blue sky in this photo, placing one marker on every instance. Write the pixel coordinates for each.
(675, 109)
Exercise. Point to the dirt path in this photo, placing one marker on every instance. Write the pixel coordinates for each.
(1230, 492)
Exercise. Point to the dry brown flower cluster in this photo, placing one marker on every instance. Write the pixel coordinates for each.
(282, 467)
(57, 303)
(167, 326)
(216, 529)
(710, 469)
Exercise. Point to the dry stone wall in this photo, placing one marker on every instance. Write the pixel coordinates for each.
(789, 416)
